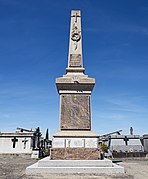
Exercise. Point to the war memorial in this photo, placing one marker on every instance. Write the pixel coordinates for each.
(75, 147)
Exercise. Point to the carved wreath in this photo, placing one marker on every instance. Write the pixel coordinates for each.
(75, 34)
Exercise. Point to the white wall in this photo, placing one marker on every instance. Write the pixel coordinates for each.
(6, 144)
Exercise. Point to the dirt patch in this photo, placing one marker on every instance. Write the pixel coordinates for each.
(14, 166)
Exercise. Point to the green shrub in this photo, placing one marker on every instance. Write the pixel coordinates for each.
(104, 147)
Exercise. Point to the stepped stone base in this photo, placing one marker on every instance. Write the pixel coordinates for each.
(47, 166)
(75, 154)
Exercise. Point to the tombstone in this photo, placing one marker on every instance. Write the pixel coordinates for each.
(117, 143)
(35, 154)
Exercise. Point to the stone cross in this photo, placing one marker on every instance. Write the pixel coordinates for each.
(14, 140)
(126, 140)
(76, 16)
(25, 141)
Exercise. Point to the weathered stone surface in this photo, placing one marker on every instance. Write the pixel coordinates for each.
(75, 60)
(75, 112)
(75, 154)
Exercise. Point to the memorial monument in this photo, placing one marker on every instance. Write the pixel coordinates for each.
(74, 88)
(74, 146)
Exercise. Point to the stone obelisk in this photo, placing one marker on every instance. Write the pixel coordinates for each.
(74, 144)
(75, 139)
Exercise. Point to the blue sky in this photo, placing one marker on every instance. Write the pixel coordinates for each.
(34, 37)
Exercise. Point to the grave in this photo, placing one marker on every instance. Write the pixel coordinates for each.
(75, 146)
(125, 143)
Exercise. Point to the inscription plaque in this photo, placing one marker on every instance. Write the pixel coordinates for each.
(75, 60)
(75, 111)
(58, 143)
(91, 143)
(77, 143)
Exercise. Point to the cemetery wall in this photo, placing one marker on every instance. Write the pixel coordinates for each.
(15, 143)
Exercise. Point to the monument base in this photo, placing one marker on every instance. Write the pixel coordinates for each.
(75, 145)
(75, 154)
(47, 166)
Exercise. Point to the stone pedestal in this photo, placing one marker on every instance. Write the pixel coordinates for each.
(75, 145)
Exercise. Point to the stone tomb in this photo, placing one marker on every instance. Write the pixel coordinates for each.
(17, 143)
(126, 143)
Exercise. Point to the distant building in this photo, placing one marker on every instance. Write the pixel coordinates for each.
(17, 142)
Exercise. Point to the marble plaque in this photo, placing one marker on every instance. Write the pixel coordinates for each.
(75, 60)
(91, 143)
(74, 143)
(75, 111)
(58, 143)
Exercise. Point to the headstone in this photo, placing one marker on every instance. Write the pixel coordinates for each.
(35, 154)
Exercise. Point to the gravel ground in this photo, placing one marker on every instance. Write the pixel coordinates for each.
(138, 168)
(13, 167)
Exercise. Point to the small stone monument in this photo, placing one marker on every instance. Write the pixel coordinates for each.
(75, 140)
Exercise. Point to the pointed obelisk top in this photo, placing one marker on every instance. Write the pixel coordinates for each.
(75, 62)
